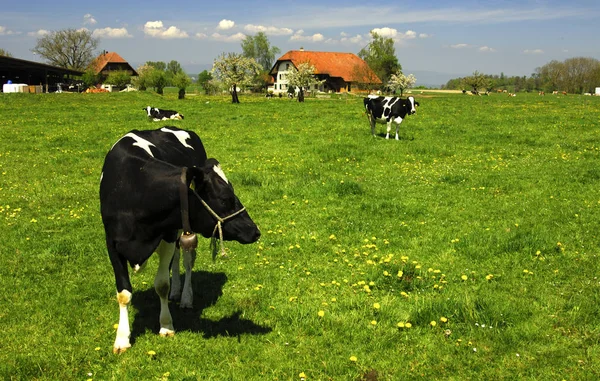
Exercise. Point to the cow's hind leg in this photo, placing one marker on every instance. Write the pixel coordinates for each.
(161, 285)
(389, 128)
(123, 297)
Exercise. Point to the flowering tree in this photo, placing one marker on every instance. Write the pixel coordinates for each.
(302, 77)
(401, 82)
(235, 70)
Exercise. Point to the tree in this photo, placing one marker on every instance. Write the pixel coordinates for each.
(68, 48)
(476, 82)
(401, 82)
(173, 67)
(302, 77)
(158, 80)
(203, 78)
(235, 70)
(90, 78)
(157, 65)
(142, 81)
(118, 78)
(5, 53)
(259, 48)
(181, 81)
(380, 55)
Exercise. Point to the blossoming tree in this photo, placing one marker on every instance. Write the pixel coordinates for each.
(302, 77)
(399, 81)
(235, 70)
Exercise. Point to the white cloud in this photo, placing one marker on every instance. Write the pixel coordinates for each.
(533, 51)
(88, 19)
(111, 33)
(424, 35)
(299, 36)
(232, 38)
(269, 30)
(4, 31)
(358, 39)
(409, 35)
(201, 36)
(386, 32)
(225, 24)
(157, 29)
(487, 49)
(39, 33)
(459, 46)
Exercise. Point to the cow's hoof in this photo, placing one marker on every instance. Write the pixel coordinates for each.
(120, 348)
(175, 296)
(189, 305)
(165, 332)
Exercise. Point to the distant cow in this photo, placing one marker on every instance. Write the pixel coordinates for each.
(388, 110)
(159, 114)
(154, 185)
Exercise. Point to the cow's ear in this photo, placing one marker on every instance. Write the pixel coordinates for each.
(417, 103)
(194, 177)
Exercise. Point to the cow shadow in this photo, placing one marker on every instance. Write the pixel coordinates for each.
(393, 137)
(208, 287)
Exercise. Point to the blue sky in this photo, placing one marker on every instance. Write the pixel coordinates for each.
(431, 37)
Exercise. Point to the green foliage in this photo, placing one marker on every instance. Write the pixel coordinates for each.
(488, 207)
(90, 78)
(118, 78)
(380, 55)
(181, 81)
(68, 48)
(5, 53)
(302, 77)
(259, 48)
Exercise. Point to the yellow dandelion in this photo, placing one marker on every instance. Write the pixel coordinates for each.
(400, 324)
(373, 322)
(321, 313)
(302, 375)
(151, 353)
(433, 323)
(443, 319)
(464, 277)
(332, 237)
(353, 359)
(407, 325)
(489, 277)
(376, 306)
(400, 273)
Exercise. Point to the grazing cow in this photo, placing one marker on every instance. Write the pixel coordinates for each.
(159, 114)
(154, 185)
(388, 110)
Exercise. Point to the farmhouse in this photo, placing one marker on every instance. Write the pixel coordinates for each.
(111, 61)
(342, 72)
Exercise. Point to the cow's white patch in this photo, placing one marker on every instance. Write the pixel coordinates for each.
(182, 136)
(123, 331)
(148, 109)
(140, 142)
(412, 105)
(220, 172)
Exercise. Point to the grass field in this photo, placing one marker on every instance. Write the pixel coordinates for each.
(466, 250)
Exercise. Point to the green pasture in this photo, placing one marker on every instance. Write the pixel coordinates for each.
(468, 250)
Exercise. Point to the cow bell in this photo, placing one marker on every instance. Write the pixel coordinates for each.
(188, 241)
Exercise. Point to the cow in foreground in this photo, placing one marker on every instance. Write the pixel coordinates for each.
(388, 110)
(154, 185)
(158, 114)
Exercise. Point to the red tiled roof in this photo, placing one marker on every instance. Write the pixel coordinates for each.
(108, 57)
(347, 66)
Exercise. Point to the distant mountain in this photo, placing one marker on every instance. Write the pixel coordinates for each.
(432, 78)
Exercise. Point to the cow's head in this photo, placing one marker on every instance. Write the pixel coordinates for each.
(216, 191)
(413, 105)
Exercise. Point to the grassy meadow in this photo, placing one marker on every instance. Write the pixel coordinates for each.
(466, 250)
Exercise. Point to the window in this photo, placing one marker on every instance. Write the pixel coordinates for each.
(287, 66)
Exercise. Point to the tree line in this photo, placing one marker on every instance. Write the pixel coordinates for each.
(74, 49)
(576, 75)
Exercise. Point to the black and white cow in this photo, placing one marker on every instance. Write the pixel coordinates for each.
(387, 110)
(155, 184)
(159, 114)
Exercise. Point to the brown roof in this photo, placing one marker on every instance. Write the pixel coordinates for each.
(109, 58)
(347, 66)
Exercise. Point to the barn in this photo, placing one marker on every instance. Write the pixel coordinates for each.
(36, 76)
